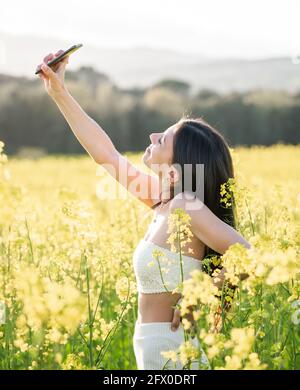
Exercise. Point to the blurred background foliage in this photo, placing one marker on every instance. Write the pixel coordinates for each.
(30, 124)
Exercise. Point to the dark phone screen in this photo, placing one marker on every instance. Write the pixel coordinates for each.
(61, 56)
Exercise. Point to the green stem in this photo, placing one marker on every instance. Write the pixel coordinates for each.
(161, 276)
(29, 239)
(250, 216)
(99, 296)
(113, 330)
(90, 315)
(181, 271)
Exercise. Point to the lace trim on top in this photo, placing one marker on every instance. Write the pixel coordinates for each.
(152, 272)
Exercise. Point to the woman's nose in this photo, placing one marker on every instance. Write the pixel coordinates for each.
(153, 137)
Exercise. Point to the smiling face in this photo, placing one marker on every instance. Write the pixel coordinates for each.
(161, 149)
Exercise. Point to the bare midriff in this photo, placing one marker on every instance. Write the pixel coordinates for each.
(156, 307)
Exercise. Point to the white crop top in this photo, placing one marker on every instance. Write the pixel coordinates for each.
(150, 274)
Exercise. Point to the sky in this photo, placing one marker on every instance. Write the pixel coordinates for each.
(213, 28)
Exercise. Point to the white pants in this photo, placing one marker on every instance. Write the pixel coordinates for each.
(151, 338)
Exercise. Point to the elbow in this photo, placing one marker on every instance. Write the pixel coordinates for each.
(101, 158)
(109, 156)
(247, 245)
(97, 160)
(95, 156)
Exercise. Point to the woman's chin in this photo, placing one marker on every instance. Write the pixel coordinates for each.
(146, 158)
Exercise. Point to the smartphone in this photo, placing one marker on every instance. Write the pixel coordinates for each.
(61, 56)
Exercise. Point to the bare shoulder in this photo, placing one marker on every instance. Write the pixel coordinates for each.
(205, 225)
(200, 214)
(187, 201)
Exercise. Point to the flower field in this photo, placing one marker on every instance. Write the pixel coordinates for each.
(68, 296)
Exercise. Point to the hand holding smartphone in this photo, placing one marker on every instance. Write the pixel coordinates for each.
(59, 58)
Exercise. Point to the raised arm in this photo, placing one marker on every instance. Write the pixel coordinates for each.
(94, 139)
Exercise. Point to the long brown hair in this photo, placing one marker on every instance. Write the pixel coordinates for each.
(197, 142)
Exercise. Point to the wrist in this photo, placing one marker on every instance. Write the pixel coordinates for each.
(58, 95)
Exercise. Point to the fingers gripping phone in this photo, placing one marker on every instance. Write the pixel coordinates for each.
(61, 56)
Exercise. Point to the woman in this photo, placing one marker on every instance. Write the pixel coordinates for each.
(189, 142)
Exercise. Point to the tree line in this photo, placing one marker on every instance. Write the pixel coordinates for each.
(29, 118)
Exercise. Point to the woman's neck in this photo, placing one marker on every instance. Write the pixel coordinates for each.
(167, 191)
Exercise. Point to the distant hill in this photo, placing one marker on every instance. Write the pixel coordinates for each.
(142, 66)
